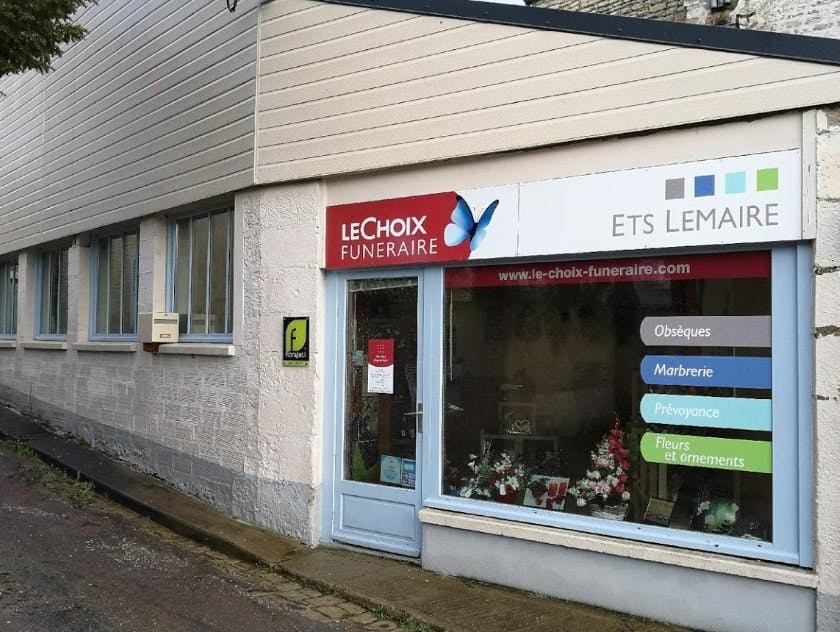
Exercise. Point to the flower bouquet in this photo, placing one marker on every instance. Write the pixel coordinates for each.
(497, 477)
(605, 484)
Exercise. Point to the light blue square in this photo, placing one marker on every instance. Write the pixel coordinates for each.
(736, 182)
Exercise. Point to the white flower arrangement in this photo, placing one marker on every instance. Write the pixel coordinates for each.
(502, 476)
(606, 479)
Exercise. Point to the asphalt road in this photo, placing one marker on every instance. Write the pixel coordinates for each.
(70, 561)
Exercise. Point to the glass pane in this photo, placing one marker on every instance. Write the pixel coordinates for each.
(560, 395)
(183, 257)
(12, 299)
(115, 260)
(46, 292)
(61, 303)
(8, 298)
(102, 298)
(198, 275)
(129, 283)
(381, 387)
(219, 277)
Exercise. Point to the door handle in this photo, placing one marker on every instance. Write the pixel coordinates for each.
(419, 418)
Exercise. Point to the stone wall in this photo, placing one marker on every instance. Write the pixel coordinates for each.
(827, 367)
(239, 431)
(652, 9)
(816, 17)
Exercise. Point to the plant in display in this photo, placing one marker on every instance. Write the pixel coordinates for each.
(606, 481)
(497, 477)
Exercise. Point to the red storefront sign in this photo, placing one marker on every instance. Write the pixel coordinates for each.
(400, 231)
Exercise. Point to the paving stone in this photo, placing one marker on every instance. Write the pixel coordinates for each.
(352, 608)
(317, 616)
(364, 618)
(325, 600)
(297, 596)
(383, 624)
(333, 612)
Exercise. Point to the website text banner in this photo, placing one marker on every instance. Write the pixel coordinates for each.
(744, 199)
(672, 268)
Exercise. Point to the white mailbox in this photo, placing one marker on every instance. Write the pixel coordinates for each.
(158, 327)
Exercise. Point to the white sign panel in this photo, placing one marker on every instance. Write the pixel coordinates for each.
(744, 199)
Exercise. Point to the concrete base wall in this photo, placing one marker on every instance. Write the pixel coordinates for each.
(698, 599)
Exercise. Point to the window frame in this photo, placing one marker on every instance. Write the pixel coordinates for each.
(172, 260)
(96, 256)
(62, 251)
(792, 500)
(11, 311)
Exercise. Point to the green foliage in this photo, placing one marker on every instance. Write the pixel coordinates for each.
(33, 31)
(19, 448)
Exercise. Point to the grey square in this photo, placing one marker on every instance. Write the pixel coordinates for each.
(675, 189)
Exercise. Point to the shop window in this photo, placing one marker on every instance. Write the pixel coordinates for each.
(8, 298)
(52, 282)
(636, 391)
(115, 263)
(202, 275)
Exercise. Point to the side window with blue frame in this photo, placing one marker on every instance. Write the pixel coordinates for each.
(52, 292)
(201, 278)
(115, 285)
(8, 298)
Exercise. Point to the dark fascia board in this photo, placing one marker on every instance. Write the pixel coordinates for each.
(820, 50)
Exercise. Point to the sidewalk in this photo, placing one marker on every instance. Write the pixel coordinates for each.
(402, 588)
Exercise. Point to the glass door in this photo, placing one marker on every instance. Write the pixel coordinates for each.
(377, 491)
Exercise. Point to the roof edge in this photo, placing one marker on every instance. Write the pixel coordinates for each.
(822, 50)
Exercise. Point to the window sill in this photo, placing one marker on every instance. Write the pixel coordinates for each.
(8, 344)
(767, 571)
(197, 348)
(45, 345)
(112, 347)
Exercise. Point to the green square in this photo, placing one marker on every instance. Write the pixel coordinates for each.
(767, 179)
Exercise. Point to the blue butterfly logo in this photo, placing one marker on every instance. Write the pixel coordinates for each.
(464, 227)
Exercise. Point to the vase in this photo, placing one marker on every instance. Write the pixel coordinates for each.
(610, 512)
(507, 499)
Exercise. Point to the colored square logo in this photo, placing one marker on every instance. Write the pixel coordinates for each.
(767, 179)
(704, 186)
(736, 182)
(675, 189)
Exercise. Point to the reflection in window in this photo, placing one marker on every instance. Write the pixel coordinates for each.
(8, 298)
(53, 292)
(116, 261)
(203, 249)
(634, 390)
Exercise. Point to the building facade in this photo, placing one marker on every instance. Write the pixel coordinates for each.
(489, 285)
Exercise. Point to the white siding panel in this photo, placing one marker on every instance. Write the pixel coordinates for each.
(706, 108)
(386, 91)
(154, 108)
(420, 101)
(420, 77)
(509, 107)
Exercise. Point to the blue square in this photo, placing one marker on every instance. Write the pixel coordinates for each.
(736, 182)
(704, 186)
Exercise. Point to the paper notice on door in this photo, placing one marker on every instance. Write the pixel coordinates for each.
(381, 366)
